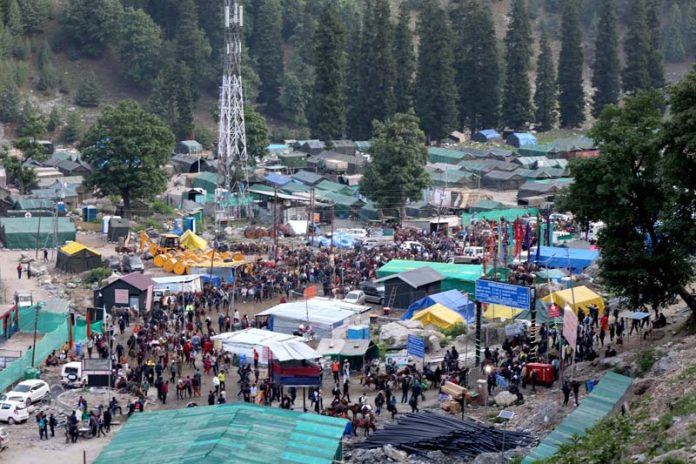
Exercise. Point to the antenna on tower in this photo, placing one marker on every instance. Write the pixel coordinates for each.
(232, 147)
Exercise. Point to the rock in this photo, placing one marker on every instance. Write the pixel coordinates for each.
(639, 458)
(505, 398)
(71, 285)
(395, 334)
(434, 343)
(45, 280)
(395, 454)
(489, 458)
(664, 365)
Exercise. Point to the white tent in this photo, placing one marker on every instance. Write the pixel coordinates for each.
(283, 347)
(322, 314)
(175, 284)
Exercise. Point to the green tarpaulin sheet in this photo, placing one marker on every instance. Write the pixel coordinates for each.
(22, 233)
(456, 276)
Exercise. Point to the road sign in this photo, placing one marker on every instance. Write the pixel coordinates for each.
(506, 415)
(514, 296)
(416, 346)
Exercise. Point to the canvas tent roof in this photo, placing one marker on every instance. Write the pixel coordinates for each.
(192, 241)
(76, 257)
(439, 316)
(452, 299)
(577, 297)
(354, 350)
(574, 258)
(282, 346)
(417, 277)
(75, 247)
(494, 311)
(21, 233)
(456, 276)
(226, 433)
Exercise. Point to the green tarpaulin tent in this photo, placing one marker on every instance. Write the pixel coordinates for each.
(509, 214)
(25, 233)
(456, 276)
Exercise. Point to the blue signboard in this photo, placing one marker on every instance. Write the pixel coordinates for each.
(514, 296)
(416, 346)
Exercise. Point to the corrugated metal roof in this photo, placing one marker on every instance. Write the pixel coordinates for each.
(594, 408)
(138, 280)
(417, 277)
(228, 433)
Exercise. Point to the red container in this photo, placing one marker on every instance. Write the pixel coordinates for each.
(545, 373)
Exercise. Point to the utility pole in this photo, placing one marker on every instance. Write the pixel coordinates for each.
(232, 144)
(36, 328)
(38, 233)
(310, 215)
(276, 224)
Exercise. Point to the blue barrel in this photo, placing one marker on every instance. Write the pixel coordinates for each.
(89, 213)
(60, 207)
(190, 224)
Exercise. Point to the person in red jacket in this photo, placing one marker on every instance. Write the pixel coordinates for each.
(165, 390)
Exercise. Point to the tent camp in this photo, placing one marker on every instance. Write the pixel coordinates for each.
(494, 311)
(574, 258)
(185, 283)
(456, 276)
(578, 297)
(76, 257)
(243, 342)
(322, 314)
(438, 315)
(26, 232)
(452, 299)
(191, 241)
(357, 352)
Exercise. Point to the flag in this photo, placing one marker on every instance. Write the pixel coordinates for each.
(71, 338)
(89, 329)
(538, 238)
(570, 326)
(528, 241)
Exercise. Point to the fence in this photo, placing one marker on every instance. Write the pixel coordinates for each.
(54, 328)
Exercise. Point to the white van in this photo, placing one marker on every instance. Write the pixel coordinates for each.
(593, 233)
(71, 375)
(470, 255)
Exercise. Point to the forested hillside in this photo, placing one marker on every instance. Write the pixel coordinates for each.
(329, 68)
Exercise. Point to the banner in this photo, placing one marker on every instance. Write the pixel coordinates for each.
(570, 326)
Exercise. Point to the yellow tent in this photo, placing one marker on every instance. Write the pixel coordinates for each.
(582, 296)
(191, 241)
(494, 311)
(438, 315)
(75, 247)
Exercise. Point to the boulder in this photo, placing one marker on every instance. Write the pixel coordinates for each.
(665, 365)
(395, 454)
(395, 334)
(433, 343)
(505, 398)
(71, 285)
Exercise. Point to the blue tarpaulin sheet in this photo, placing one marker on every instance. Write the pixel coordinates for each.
(453, 299)
(575, 259)
(277, 179)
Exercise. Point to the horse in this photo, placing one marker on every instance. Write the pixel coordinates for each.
(367, 422)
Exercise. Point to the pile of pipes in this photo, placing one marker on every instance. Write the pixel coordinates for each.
(423, 432)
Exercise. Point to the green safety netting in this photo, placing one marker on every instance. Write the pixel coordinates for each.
(54, 330)
(227, 433)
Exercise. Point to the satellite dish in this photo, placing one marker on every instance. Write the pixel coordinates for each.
(27, 215)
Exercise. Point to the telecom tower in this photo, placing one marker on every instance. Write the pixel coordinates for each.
(232, 148)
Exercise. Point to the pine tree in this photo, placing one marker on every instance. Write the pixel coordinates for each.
(517, 105)
(88, 92)
(327, 107)
(33, 123)
(405, 58)
(9, 103)
(656, 70)
(606, 69)
(546, 94)
(436, 93)
(256, 133)
(192, 46)
(48, 76)
(91, 25)
(55, 120)
(73, 128)
(139, 47)
(172, 98)
(356, 51)
(183, 127)
(675, 37)
(267, 51)
(635, 76)
(34, 14)
(378, 80)
(13, 17)
(478, 70)
(571, 97)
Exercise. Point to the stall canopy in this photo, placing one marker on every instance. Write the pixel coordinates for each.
(282, 346)
(574, 258)
(452, 299)
(186, 283)
(494, 311)
(322, 314)
(357, 352)
(191, 241)
(76, 257)
(578, 297)
(440, 316)
(456, 276)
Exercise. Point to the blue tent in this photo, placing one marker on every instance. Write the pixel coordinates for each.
(574, 258)
(453, 299)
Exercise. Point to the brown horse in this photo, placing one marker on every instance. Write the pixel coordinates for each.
(367, 422)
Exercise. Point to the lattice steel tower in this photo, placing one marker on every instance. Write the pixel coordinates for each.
(232, 147)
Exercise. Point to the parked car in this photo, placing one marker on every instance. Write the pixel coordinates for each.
(28, 392)
(132, 263)
(13, 412)
(71, 375)
(470, 255)
(23, 299)
(113, 263)
(374, 293)
(355, 297)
